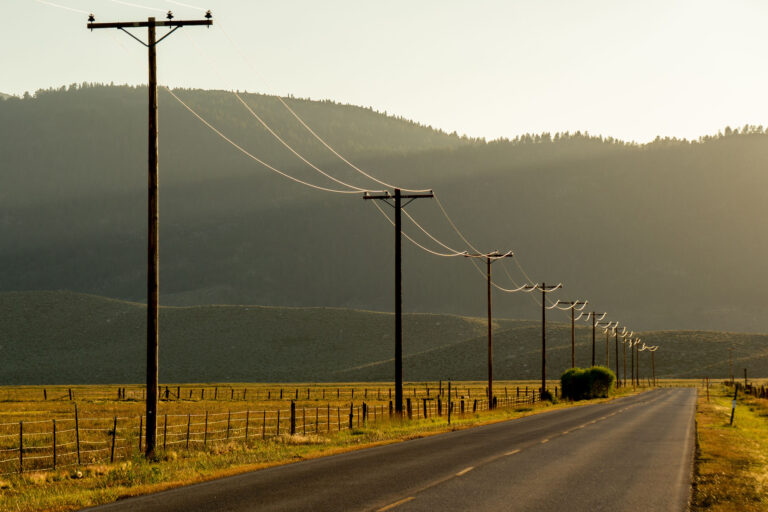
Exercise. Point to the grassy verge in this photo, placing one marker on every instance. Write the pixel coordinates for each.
(104, 483)
(731, 461)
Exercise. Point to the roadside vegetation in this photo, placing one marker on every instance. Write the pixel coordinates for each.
(76, 487)
(731, 460)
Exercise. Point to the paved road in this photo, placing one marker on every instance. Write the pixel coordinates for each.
(631, 454)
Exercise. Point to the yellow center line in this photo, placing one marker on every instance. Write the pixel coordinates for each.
(395, 504)
(544, 441)
(512, 452)
(566, 431)
(465, 471)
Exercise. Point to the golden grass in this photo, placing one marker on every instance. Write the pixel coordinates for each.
(103, 483)
(731, 461)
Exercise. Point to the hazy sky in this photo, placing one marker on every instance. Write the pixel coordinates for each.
(628, 69)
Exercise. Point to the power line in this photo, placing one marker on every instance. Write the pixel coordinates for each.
(288, 146)
(251, 156)
(66, 8)
(315, 135)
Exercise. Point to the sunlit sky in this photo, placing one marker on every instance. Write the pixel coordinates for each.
(627, 69)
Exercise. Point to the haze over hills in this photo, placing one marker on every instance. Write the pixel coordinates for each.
(662, 236)
(70, 338)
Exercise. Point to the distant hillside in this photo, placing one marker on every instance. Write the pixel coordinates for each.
(4, 96)
(664, 235)
(63, 337)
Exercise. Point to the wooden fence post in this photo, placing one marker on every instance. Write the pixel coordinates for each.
(351, 415)
(229, 420)
(247, 417)
(293, 417)
(277, 429)
(189, 424)
(328, 427)
(114, 436)
(205, 431)
(54, 443)
(304, 420)
(70, 394)
(77, 435)
(141, 427)
(21, 447)
(45, 394)
(264, 424)
(408, 406)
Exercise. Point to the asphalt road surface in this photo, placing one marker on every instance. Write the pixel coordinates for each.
(630, 454)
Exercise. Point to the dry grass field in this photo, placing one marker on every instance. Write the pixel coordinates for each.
(732, 460)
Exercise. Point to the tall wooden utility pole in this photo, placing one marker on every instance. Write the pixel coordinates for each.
(152, 216)
(398, 205)
(490, 258)
(544, 291)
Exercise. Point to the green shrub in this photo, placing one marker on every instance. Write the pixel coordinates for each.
(585, 383)
(601, 381)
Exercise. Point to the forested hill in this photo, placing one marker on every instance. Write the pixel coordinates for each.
(665, 235)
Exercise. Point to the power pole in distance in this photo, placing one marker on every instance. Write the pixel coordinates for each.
(398, 205)
(616, 333)
(593, 316)
(572, 305)
(607, 330)
(544, 291)
(152, 226)
(490, 258)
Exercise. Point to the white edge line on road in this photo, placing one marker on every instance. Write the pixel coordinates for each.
(465, 471)
(395, 504)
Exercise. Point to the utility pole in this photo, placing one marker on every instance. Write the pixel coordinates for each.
(544, 291)
(490, 258)
(607, 330)
(398, 206)
(153, 259)
(593, 315)
(624, 355)
(572, 306)
(616, 333)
